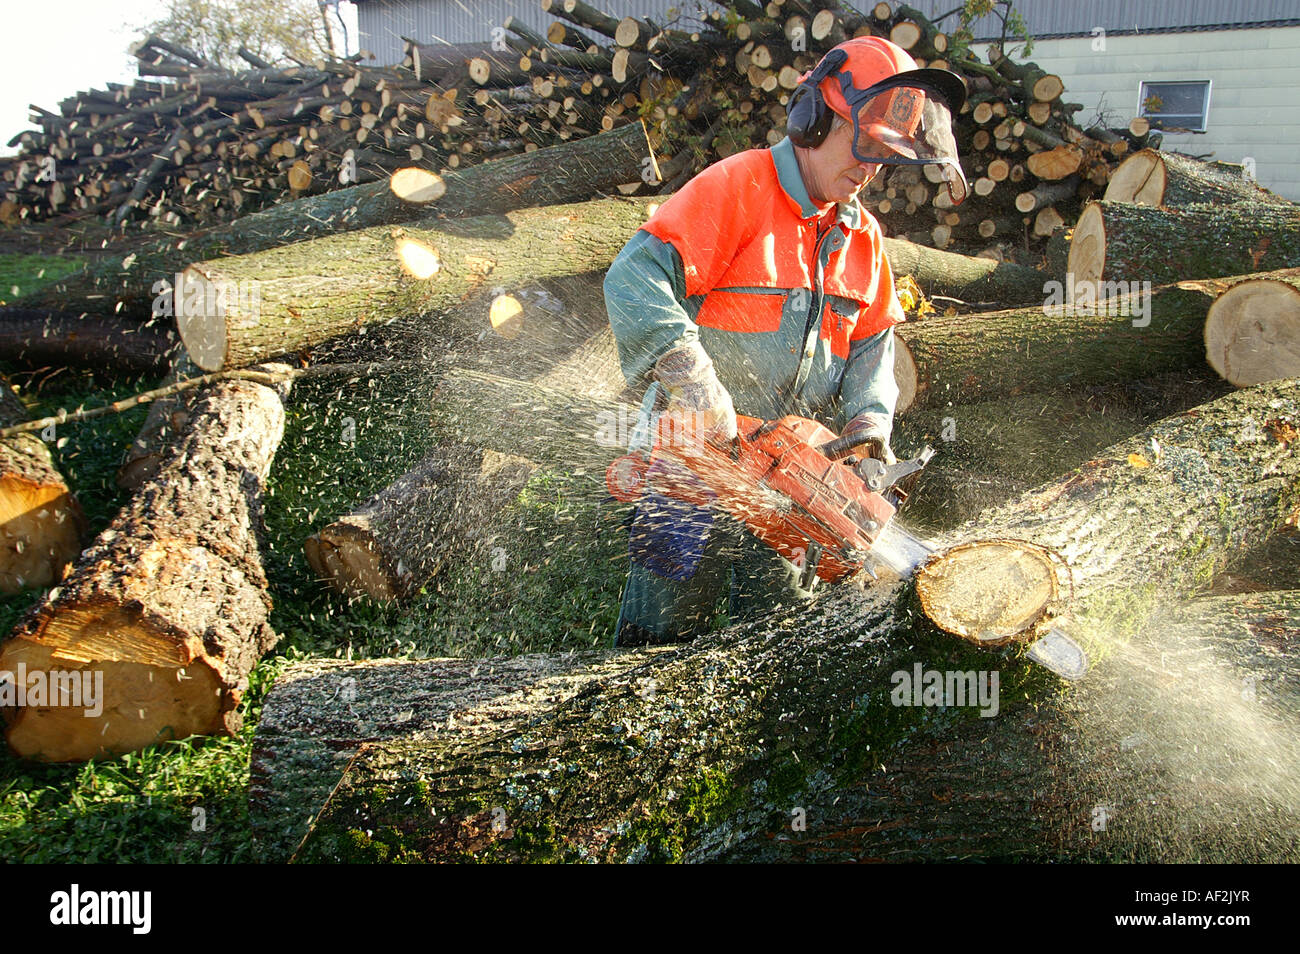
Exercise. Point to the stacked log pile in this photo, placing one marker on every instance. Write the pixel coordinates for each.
(192, 144)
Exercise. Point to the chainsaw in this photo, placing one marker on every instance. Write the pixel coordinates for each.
(801, 490)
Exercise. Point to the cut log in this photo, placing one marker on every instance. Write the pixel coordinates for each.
(166, 613)
(34, 338)
(993, 451)
(1252, 333)
(960, 276)
(314, 291)
(163, 425)
(321, 712)
(747, 725)
(392, 544)
(1062, 343)
(1151, 177)
(1057, 163)
(41, 523)
(1123, 242)
(1180, 749)
(564, 173)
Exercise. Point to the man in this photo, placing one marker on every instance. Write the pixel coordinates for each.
(762, 287)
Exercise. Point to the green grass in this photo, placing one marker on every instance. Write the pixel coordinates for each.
(23, 273)
(547, 576)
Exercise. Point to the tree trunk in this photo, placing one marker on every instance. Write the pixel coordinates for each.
(980, 357)
(41, 523)
(37, 337)
(301, 295)
(322, 711)
(167, 610)
(960, 276)
(569, 172)
(1252, 333)
(1182, 749)
(993, 451)
(1168, 180)
(399, 539)
(746, 726)
(1122, 242)
(165, 422)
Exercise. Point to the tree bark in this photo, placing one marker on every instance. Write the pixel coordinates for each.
(1168, 180)
(322, 712)
(1182, 749)
(38, 337)
(313, 291)
(980, 357)
(569, 172)
(41, 523)
(960, 276)
(747, 725)
(1120, 241)
(169, 606)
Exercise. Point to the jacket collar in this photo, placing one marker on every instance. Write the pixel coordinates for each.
(787, 173)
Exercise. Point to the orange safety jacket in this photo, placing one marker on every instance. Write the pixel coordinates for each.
(794, 308)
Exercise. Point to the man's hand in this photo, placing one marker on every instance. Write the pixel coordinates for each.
(876, 442)
(698, 404)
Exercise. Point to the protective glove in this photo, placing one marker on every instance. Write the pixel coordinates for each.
(877, 446)
(698, 404)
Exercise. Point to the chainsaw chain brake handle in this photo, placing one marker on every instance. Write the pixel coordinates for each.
(897, 479)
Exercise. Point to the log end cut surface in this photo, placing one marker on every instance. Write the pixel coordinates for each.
(1140, 179)
(134, 688)
(1087, 259)
(1252, 332)
(40, 533)
(991, 592)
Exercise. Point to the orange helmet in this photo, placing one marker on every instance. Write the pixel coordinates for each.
(900, 114)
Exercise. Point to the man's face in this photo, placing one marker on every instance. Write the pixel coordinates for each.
(836, 174)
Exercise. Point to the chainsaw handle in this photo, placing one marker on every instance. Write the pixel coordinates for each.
(842, 446)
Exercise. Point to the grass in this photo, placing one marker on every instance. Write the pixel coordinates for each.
(547, 577)
(21, 273)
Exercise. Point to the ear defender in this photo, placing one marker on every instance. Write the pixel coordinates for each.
(808, 119)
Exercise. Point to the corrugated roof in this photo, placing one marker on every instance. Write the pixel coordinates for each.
(1047, 19)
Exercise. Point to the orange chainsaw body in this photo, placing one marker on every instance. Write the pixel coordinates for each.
(775, 480)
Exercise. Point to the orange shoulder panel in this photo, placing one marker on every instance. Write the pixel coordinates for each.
(716, 214)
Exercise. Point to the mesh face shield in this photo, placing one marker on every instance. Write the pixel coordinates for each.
(905, 120)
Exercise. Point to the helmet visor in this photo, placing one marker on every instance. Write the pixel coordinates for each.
(898, 122)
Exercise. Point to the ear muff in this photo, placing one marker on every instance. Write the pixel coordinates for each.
(808, 118)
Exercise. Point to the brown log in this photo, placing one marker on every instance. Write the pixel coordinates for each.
(41, 523)
(1252, 332)
(167, 610)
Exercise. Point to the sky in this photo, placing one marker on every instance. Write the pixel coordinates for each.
(71, 45)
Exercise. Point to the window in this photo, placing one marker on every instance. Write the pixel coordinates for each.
(1176, 107)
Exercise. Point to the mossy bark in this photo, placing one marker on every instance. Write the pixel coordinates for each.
(746, 726)
(300, 295)
(1063, 343)
(1124, 242)
(321, 712)
(1181, 747)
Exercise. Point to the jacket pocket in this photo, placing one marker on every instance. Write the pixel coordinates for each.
(741, 311)
(839, 318)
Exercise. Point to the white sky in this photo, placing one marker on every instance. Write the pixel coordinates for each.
(57, 47)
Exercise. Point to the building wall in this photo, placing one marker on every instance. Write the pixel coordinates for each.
(1254, 80)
